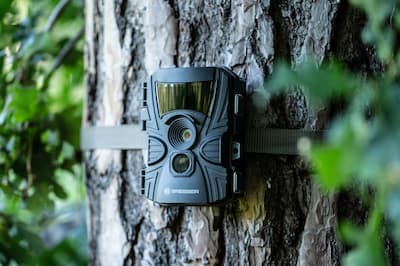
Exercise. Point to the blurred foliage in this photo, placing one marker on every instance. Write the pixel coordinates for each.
(362, 151)
(41, 191)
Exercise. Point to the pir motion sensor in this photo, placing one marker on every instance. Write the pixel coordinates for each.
(196, 136)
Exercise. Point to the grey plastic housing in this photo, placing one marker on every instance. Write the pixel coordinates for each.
(214, 171)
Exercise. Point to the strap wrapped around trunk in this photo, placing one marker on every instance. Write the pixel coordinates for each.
(258, 140)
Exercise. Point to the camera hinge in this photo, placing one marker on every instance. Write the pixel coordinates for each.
(144, 112)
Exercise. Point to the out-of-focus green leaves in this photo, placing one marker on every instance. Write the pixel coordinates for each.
(4, 7)
(64, 253)
(320, 82)
(16, 240)
(40, 114)
(333, 165)
(336, 164)
(67, 152)
(368, 252)
(362, 150)
(368, 242)
(24, 103)
(379, 25)
(50, 139)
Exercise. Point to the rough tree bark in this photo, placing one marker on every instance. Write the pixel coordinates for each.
(282, 219)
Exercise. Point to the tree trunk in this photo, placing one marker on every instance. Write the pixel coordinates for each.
(282, 219)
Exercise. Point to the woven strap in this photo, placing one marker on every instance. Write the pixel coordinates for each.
(277, 140)
(258, 140)
(125, 137)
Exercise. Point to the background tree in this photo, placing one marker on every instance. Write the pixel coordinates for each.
(283, 218)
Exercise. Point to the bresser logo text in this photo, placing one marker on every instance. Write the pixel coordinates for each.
(168, 191)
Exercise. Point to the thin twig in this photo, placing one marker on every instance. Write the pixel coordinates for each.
(392, 14)
(64, 52)
(28, 165)
(55, 14)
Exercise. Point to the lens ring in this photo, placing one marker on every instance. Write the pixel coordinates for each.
(181, 163)
(182, 133)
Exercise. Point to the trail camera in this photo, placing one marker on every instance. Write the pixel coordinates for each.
(194, 118)
(194, 121)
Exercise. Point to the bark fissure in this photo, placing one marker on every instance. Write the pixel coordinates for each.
(123, 190)
(221, 237)
(91, 82)
(93, 224)
(91, 63)
(176, 224)
(281, 40)
(131, 256)
(175, 10)
(120, 11)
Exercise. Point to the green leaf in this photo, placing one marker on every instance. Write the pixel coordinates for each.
(59, 191)
(350, 233)
(67, 152)
(50, 138)
(369, 253)
(4, 7)
(369, 249)
(39, 202)
(24, 103)
(64, 253)
(332, 165)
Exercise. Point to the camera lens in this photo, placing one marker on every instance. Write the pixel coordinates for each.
(182, 133)
(180, 163)
(186, 134)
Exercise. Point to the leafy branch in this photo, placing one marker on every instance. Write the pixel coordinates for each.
(67, 48)
(55, 14)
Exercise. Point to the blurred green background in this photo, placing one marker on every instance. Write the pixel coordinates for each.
(42, 208)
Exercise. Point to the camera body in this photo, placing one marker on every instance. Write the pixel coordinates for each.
(194, 118)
